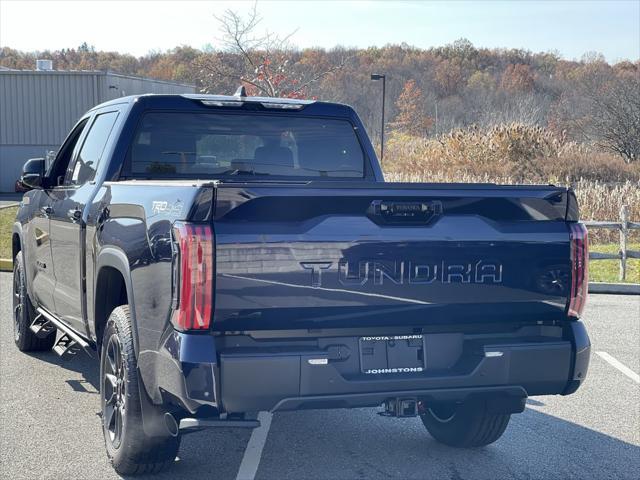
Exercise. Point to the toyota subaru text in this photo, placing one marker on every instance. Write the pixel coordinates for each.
(226, 255)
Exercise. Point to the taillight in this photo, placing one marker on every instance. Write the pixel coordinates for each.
(193, 270)
(579, 269)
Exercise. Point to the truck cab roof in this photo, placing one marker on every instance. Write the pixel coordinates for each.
(157, 101)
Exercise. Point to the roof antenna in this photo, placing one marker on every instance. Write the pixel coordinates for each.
(240, 92)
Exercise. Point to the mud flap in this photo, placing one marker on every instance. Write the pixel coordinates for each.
(153, 417)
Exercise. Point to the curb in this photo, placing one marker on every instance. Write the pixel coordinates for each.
(617, 288)
(11, 205)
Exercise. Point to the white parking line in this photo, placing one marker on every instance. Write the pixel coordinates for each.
(620, 366)
(253, 452)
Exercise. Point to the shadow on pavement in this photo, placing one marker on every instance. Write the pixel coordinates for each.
(362, 445)
(81, 363)
(214, 453)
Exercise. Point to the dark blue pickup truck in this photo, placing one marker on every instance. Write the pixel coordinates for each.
(225, 255)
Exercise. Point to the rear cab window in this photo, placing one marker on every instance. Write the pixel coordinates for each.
(211, 145)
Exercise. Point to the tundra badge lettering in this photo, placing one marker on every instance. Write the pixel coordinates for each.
(406, 272)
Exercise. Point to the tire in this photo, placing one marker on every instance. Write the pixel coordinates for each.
(130, 450)
(24, 314)
(467, 425)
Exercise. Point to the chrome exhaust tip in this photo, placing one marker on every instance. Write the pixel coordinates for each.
(171, 424)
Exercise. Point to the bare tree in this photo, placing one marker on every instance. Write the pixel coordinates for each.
(266, 63)
(606, 108)
(615, 117)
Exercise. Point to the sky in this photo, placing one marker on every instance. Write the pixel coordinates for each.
(570, 28)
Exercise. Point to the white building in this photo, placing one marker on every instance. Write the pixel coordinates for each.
(39, 107)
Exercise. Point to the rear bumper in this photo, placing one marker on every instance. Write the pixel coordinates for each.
(511, 398)
(189, 371)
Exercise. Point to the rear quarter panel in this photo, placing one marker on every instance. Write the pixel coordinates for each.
(136, 218)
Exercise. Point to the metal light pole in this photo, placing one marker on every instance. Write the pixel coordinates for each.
(378, 76)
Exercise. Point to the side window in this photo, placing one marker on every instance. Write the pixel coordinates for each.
(84, 168)
(60, 164)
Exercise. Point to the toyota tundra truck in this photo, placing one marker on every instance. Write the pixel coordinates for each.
(227, 255)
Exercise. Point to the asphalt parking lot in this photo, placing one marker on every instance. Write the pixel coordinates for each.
(50, 428)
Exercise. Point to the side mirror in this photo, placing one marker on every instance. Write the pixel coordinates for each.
(33, 173)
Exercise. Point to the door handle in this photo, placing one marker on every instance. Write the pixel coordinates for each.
(104, 214)
(46, 211)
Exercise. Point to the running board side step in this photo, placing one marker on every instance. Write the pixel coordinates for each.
(66, 344)
(41, 326)
(69, 342)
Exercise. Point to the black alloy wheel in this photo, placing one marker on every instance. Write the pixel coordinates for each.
(18, 305)
(24, 314)
(114, 390)
(130, 449)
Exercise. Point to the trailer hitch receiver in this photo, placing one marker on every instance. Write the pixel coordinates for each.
(400, 407)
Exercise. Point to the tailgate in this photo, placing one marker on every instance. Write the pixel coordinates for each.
(331, 255)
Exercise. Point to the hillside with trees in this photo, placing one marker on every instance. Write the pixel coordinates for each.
(429, 92)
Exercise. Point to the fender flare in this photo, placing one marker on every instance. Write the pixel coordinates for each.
(116, 258)
(17, 229)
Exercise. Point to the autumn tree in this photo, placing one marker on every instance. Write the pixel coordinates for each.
(411, 118)
(265, 63)
(517, 78)
(178, 64)
(481, 82)
(448, 77)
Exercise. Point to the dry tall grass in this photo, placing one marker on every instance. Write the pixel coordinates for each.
(514, 154)
(524, 153)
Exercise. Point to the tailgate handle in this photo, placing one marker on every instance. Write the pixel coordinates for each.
(404, 212)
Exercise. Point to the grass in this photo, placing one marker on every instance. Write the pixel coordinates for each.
(599, 271)
(7, 217)
(609, 270)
